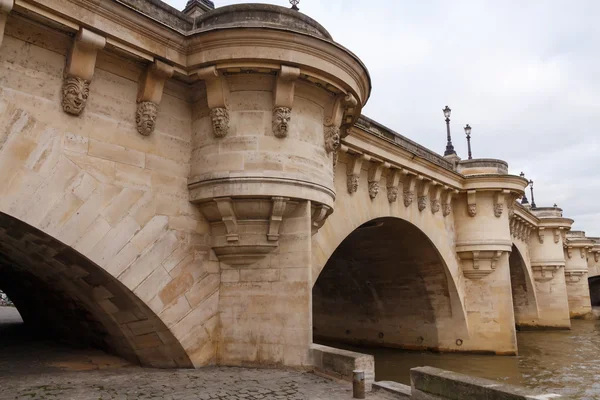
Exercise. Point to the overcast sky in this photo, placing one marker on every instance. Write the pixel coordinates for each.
(524, 74)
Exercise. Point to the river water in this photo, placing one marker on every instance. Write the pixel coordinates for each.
(562, 362)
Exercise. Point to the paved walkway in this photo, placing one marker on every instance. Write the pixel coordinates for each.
(34, 369)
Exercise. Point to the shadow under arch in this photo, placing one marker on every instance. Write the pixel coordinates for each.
(60, 292)
(594, 283)
(387, 285)
(523, 290)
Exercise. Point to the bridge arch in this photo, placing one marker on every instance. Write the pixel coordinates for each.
(60, 292)
(523, 288)
(420, 242)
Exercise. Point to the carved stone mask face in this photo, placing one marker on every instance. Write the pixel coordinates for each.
(146, 117)
(75, 94)
(281, 121)
(220, 120)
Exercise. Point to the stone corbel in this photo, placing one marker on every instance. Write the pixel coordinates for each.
(423, 197)
(447, 207)
(472, 203)
(340, 118)
(79, 70)
(393, 182)
(541, 232)
(479, 264)
(217, 93)
(319, 216)
(556, 235)
(513, 227)
(374, 177)
(499, 201)
(227, 211)
(582, 251)
(6, 7)
(283, 99)
(150, 91)
(435, 198)
(596, 256)
(408, 188)
(544, 273)
(574, 276)
(277, 211)
(353, 169)
(569, 251)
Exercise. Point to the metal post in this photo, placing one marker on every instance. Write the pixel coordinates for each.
(468, 132)
(524, 199)
(532, 198)
(358, 384)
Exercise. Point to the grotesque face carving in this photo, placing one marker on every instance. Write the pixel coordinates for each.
(220, 121)
(281, 121)
(422, 202)
(332, 139)
(75, 93)
(447, 209)
(145, 117)
(472, 210)
(498, 209)
(352, 184)
(435, 206)
(373, 189)
(392, 193)
(408, 198)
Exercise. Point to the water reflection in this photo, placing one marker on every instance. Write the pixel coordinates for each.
(564, 362)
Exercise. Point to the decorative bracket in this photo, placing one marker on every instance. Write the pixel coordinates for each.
(596, 256)
(283, 99)
(447, 208)
(150, 91)
(6, 7)
(541, 232)
(544, 273)
(408, 188)
(375, 176)
(319, 216)
(556, 235)
(393, 181)
(569, 251)
(472, 202)
(277, 211)
(79, 71)
(423, 197)
(478, 264)
(499, 200)
(225, 207)
(574, 276)
(353, 169)
(435, 199)
(217, 94)
(342, 114)
(582, 251)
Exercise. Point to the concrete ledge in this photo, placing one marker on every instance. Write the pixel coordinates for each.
(398, 390)
(435, 384)
(339, 363)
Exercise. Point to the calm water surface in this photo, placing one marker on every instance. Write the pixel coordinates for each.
(563, 362)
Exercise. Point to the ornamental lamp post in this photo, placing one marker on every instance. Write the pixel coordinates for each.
(468, 133)
(524, 199)
(294, 4)
(449, 147)
(532, 198)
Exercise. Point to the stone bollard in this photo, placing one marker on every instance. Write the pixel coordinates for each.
(358, 384)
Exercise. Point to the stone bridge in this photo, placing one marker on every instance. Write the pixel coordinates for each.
(200, 187)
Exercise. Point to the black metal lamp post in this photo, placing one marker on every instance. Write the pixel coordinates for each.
(524, 199)
(449, 148)
(532, 198)
(294, 4)
(468, 133)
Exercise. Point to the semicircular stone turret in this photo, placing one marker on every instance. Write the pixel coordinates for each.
(275, 96)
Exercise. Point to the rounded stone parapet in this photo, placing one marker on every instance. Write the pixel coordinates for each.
(547, 212)
(483, 166)
(260, 16)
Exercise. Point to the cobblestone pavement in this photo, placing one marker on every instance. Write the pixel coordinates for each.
(34, 369)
